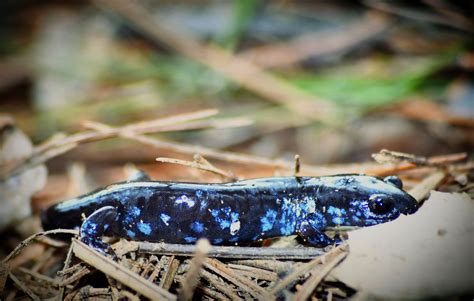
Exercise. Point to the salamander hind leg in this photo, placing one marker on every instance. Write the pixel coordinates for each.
(311, 234)
(95, 226)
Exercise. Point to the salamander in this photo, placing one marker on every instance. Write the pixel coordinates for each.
(231, 213)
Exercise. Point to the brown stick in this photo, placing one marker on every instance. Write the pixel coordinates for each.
(120, 273)
(74, 277)
(207, 167)
(312, 45)
(220, 285)
(34, 237)
(293, 276)
(310, 285)
(63, 272)
(388, 156)
(422, 190)
(39, 277)
(170, 273)
(189, 283)
(254, 272)
(21, 286)
(62, 144)
(419, 16)
(244, 283)
(230, 252)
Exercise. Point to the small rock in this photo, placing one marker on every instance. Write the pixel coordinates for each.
(16, 191)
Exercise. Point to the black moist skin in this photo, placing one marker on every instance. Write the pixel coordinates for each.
(231, 213)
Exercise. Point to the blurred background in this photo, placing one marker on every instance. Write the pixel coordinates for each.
(92, 90)
(332, 81)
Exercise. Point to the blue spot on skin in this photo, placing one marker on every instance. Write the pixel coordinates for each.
(307, 205)
(217, 241)
(360, 209)
(318, 221)
(197, 227)
(128, 219)
(144, 228)
(131, 215)
(184, 199)
(203, 205)
(337, 214)
(190, 239)
(335, 211)
(287, 221)
(165, 218)
(287, 229)
(130, 234)
(224, 224)
(224, 217)
(89, 229)
(235, 224)
(226, 211)
(135, 211)
(268, 220)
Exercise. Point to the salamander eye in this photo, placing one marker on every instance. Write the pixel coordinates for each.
(380, 205)
(394, 180)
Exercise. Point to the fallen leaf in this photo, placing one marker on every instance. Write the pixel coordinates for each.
(427, 254)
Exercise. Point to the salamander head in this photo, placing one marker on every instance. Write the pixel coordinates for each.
(361, 201)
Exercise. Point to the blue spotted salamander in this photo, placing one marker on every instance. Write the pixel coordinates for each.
(229, 213)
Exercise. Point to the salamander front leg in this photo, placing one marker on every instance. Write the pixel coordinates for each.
(314, 236)
(95, 226)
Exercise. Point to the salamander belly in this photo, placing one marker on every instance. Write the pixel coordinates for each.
(223, 216)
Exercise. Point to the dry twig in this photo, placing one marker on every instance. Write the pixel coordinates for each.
(242, 282)
(298, 272)
(457, 22)
(120, 273)
(369, 168)
(422, 190)
(21, 286)
(206, 167)
(254, 272)
(220, 285)
(229, 252)
(310, 285)
(32, 238)
(387, 156)
(188, 285)
(286, 53)
(167, 279)
(60, 144)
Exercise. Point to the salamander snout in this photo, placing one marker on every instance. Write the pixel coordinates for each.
(370, 201)
(411, 205)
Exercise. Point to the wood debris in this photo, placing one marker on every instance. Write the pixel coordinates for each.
(169, 272)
